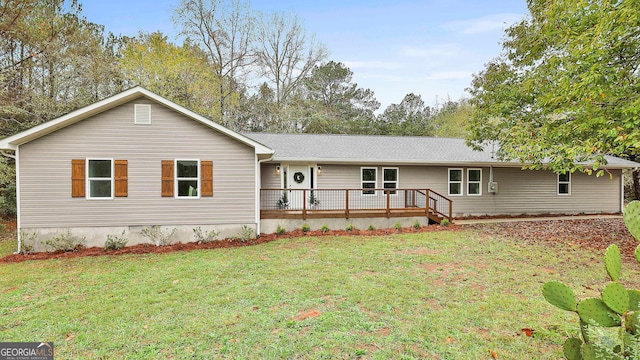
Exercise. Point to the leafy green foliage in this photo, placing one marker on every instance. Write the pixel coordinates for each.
(116, 242)
(245, 234)
(416, 225)
(445, 222)
(397, 226)
(306, 228)
(157, 236)
(371, 227)
(280, 230)
(203, 236)
(65, 242)
(325, 228)
(565, 89)
(350, 227)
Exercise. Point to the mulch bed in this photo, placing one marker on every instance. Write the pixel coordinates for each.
(586, 233)
(227, 243)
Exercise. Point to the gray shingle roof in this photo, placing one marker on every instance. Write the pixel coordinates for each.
(366, 149)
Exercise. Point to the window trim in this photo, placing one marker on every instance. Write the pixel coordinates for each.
(89, 179)
(176, 180)
(461, 182)
(396, 182)
(362, 182)
(469, 182)
(559, 182)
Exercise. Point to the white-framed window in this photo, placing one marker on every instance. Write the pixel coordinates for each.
(100, 178)
(474, 182)
(455, 182)
(564, 183)
(187, 178)
(142, 114)
(390, 179)
(369, 179)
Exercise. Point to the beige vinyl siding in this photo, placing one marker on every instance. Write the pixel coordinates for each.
(45, 172)
(519, 191)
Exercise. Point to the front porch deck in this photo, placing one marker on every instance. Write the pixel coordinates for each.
(353, 203)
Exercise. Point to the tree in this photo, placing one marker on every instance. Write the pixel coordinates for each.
(410, 117)
(225, 30)
(179, 73)
(285, 54)
(565, 89)
(451, 119)
(337, 104)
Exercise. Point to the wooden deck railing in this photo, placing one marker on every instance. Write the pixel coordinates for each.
(353, 203)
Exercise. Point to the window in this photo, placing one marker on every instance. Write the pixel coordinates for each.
(564, 183)
(142, 114)
(390, 179)
(455, 181)
(100, 178)
(474, 180)
(187, 179)
(369, 180)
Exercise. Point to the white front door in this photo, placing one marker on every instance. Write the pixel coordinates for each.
(298, 177)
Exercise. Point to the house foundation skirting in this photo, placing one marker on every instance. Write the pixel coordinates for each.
(269, 226)
(36, 239)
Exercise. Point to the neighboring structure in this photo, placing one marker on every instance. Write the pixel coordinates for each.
(136, 159)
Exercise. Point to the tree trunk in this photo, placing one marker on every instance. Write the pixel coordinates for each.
(636, 184)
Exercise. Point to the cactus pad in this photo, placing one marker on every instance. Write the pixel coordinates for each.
(571, 349)
(638, 254)
(632, 218)
(616, 297)
(595, 311)
(559, 295)
(613, 262)
(632, 322)
(588, 352)
(634, 300)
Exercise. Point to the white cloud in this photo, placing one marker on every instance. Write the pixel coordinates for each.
(449, 75)
(484, 24)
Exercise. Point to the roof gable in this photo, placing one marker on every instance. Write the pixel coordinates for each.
(12, 142)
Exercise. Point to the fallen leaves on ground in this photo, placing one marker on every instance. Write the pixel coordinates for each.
(587, 233)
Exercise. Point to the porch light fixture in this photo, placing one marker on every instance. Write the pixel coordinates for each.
(319, 169)
(278, 170)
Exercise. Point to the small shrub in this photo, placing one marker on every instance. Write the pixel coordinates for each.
(372, 227)
(245, 234)
(155, 234)
(398, 226)
(280, 230)
(65, 242)
(350, 227)
(305, 228)
(325, 228)
(202, 236)
(416, 225)
(28, 241)
(115, 242)
(445, 222)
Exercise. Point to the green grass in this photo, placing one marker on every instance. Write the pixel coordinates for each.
(444, 295)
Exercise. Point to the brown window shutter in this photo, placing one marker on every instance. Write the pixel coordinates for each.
(78, 178)
(167, 178)
(206, 178)
(121, 178)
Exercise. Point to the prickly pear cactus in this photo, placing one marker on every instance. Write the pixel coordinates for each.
(632, 218)
(559, 295)
(571, 349)
(613, 262)
(616, 297)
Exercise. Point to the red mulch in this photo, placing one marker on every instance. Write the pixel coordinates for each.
(227, 243)
(586, 233)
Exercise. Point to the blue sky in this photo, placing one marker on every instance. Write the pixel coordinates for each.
(429, 47)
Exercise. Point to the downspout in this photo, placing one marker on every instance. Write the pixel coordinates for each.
(15, 158)
(258, 192)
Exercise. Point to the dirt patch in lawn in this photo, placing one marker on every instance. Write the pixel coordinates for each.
(227, 243)
(587, 233)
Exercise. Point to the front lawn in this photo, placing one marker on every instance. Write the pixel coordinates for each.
(434, 295)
